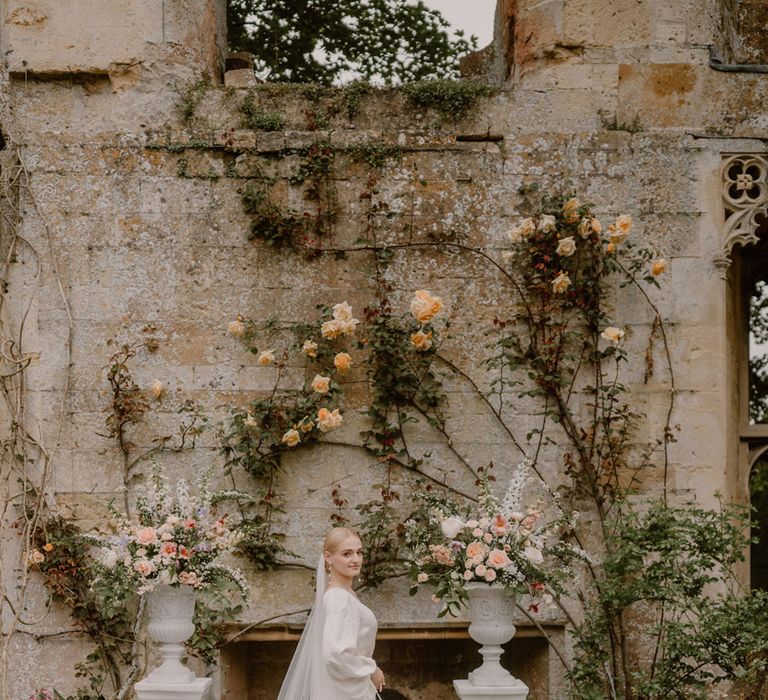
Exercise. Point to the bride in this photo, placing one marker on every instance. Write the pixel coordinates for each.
(333, 660)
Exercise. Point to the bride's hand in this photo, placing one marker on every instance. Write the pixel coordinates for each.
(378, 679)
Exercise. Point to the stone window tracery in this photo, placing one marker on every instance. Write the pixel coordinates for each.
(745, 201)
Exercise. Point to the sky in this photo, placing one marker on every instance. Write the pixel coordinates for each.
(473, 16)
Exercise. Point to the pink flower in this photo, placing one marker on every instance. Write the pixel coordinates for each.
(490, 575)
(499, 525)
(146, 536)
(477, 532)
(422, 577)
(468, 575)
(168, 549)
(488, 537)
(190, 524)
(144, 567)
(498, 558)
(476, 550)
(190, 578)
(480, 570)
(441, 554)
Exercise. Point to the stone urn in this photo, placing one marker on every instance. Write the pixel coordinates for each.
(490, 614)
(171, 610)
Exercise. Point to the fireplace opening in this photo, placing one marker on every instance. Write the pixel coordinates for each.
(419, 664)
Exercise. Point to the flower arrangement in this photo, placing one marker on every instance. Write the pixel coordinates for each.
(498, 543)
(178, 538)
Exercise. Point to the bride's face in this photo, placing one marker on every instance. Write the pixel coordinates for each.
(346, 561)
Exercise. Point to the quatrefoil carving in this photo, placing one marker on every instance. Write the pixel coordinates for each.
(745, 200)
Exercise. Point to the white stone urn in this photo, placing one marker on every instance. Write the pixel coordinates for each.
(171, 610)
(490, 614)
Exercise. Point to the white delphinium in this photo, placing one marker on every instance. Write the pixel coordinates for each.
(513, 498)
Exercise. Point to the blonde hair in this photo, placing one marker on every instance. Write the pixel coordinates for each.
(336, 536)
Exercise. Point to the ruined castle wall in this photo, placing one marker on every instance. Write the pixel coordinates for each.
(135, 227)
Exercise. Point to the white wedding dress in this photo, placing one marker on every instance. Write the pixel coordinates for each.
(334, 658)
(349, 637)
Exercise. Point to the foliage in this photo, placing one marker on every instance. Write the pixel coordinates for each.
(258, 119)
(666, 558)
(315, 42)
(452, 98)
(62, 555)
(129, 404)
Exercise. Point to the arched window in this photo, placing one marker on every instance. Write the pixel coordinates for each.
(745, 199)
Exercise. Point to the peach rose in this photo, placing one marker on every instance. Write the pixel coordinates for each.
(321, 384)
(47, 547)
(157, 389)
(265, 358)
(424, 307)
(342, 362)
(480, 570)
(144, 567)
(328, 420)
(468, 575)
(571, 210)
(236, 328)
(476, 550)
(342, 312)
(498, 558)
(309, 348)
(35, 557)
(422, 577)
(610, 248)
(659, 267)
(613, 334)
(190, 578)
(566, 247)
(561, 283)
(499, 524)
(146, 536)
(490, 575)
(306, 425)
(421, 341)
(291, 438)
(547, 223)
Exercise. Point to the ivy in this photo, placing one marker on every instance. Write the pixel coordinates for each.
(453, 99)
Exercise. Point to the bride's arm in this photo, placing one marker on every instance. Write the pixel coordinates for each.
(342, 625)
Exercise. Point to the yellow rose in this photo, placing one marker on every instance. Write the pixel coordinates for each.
(342, 362)
(249, 421)
(321, 384)
(265, 358)
(571, 210)
(561, 283)
(331, 329)
(619, 231)
(291, 438)
(328, 420)
(342, 312)
(36, 557)
(659, 267)
(424, 307)
(597, 227)
(421, 341)
(309, 348)
(306, 425)
(585, 228)
(547, 223)
(236, 328)
(157, 389)
(613, 334)
(566, 247)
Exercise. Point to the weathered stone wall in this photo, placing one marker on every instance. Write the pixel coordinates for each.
(134, 216)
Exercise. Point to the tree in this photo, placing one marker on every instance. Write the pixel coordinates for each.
(387, 41)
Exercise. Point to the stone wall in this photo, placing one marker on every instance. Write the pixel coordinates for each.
(132, 215)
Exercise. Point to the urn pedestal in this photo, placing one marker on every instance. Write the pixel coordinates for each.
(490, 615)
(170, 623)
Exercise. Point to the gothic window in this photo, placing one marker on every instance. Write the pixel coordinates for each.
(745, 203)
